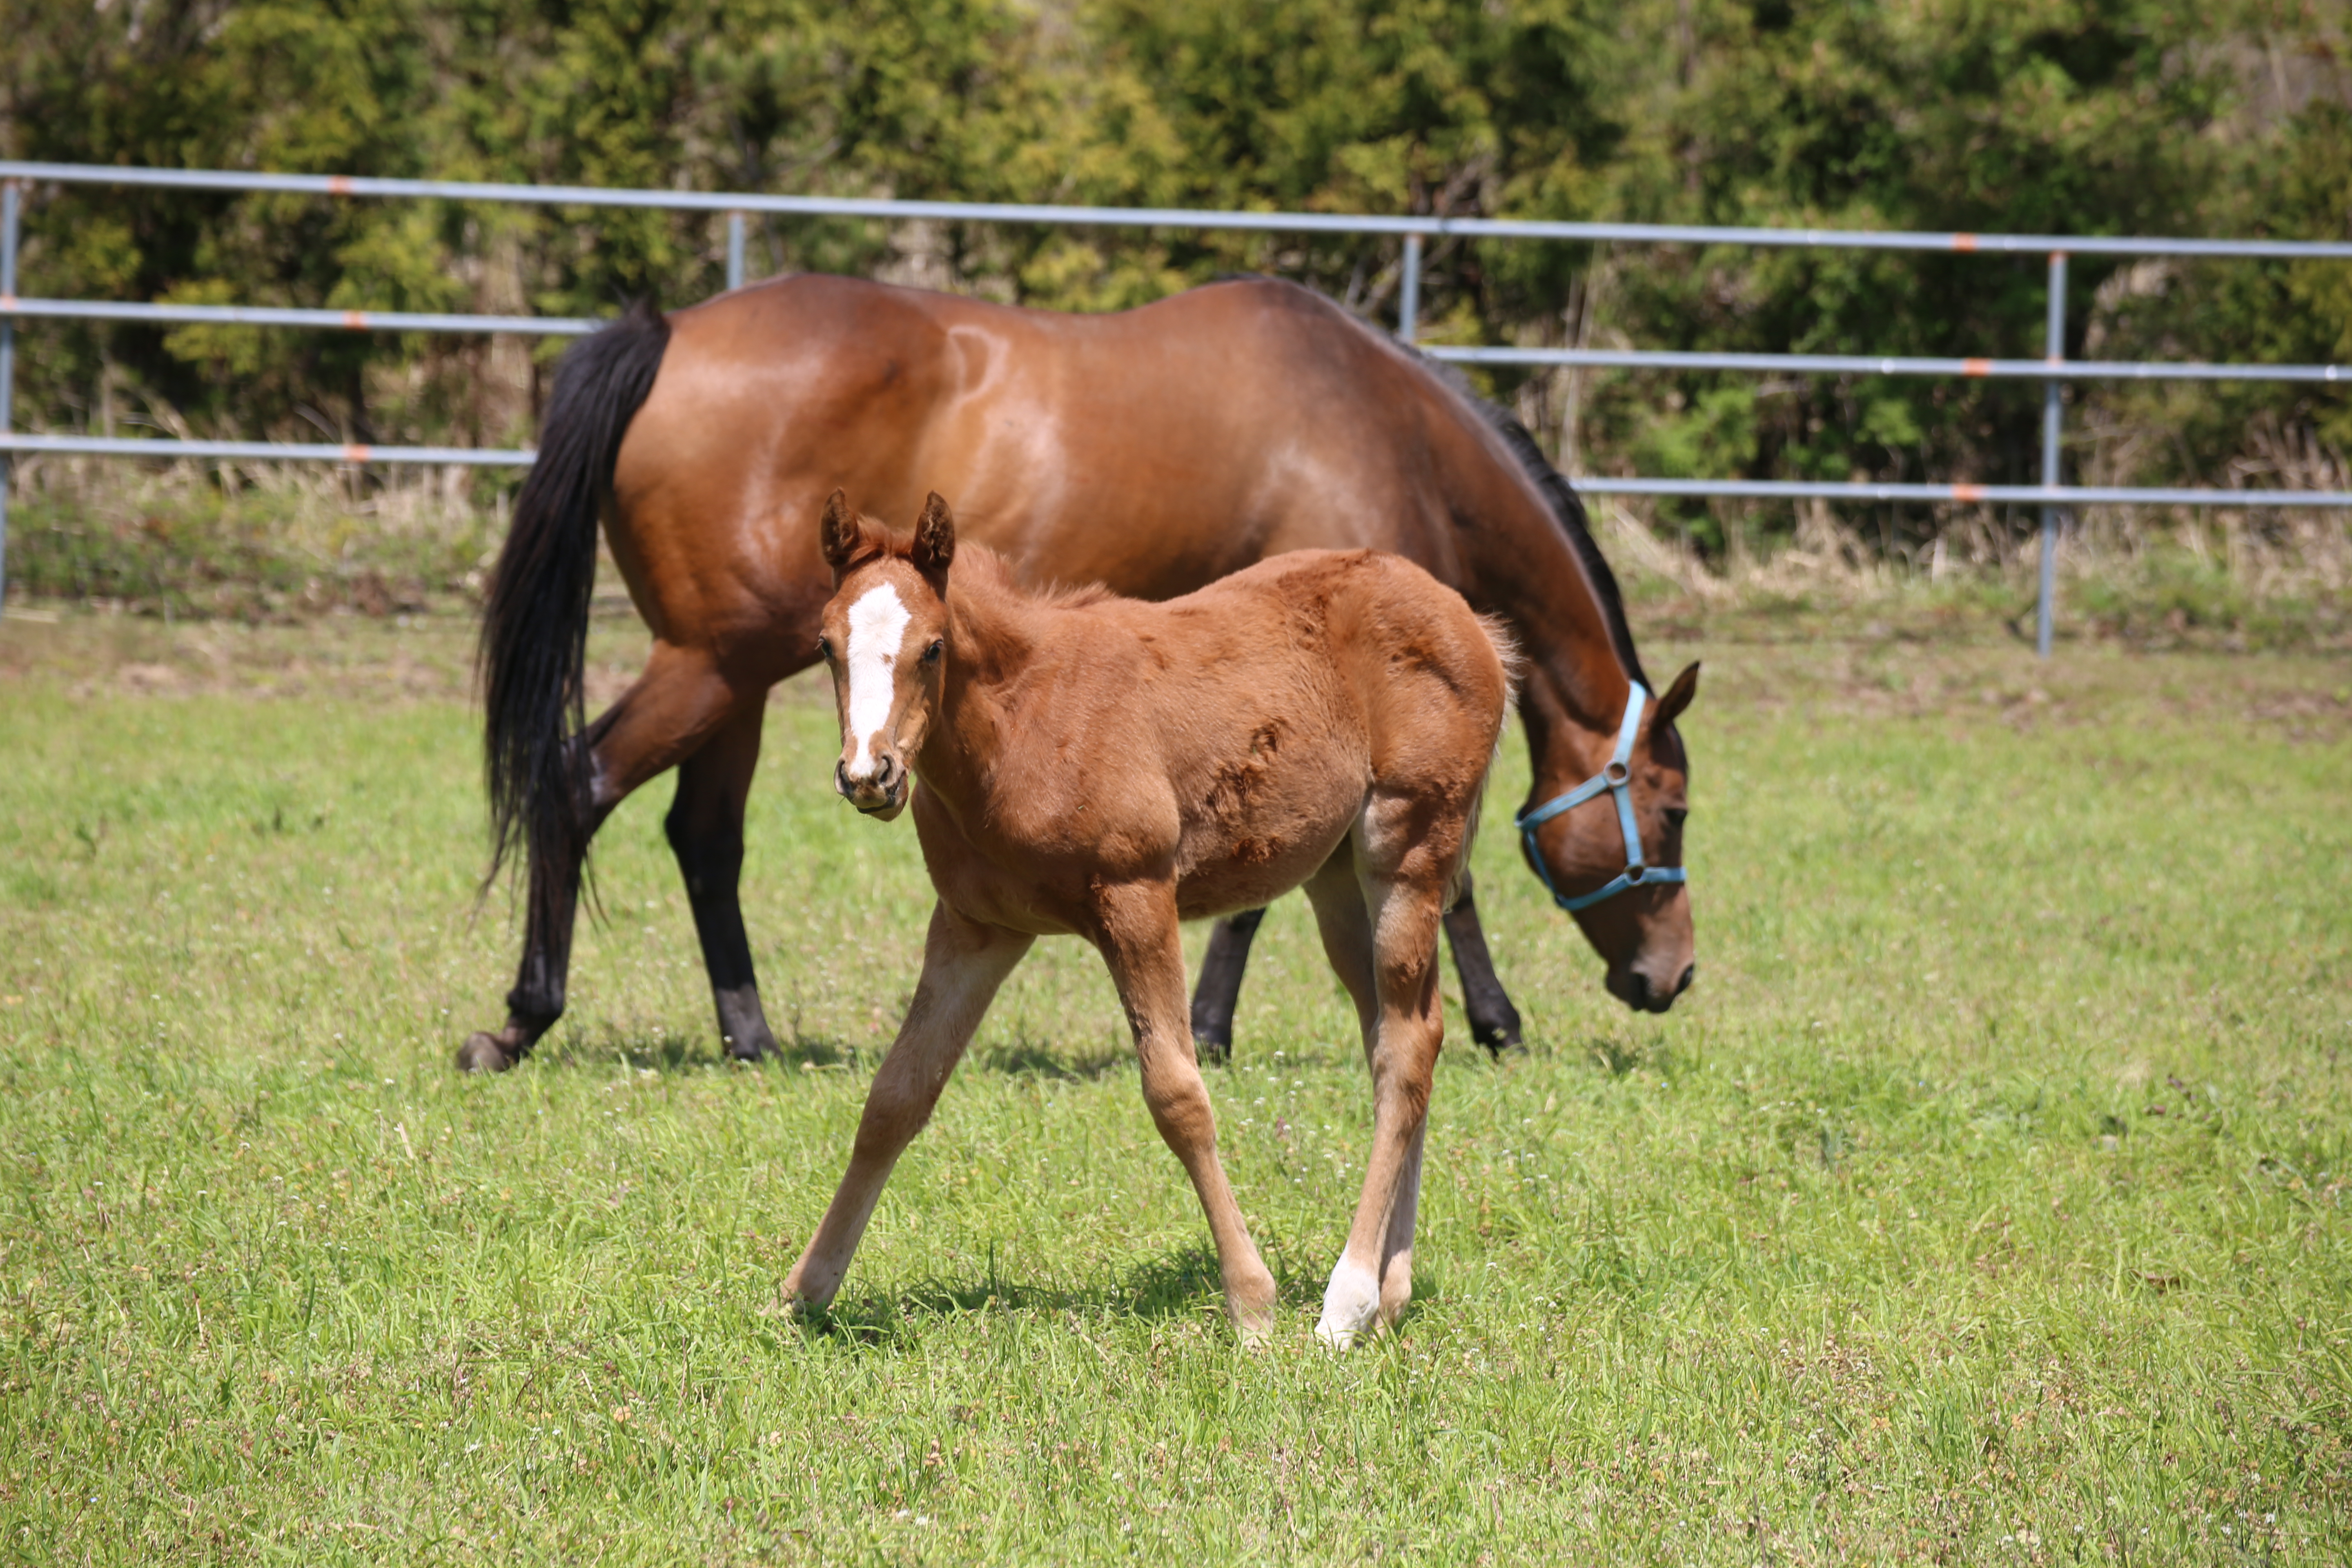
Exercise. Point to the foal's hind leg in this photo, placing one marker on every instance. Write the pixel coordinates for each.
(1139, 940)
(706, 832)
(675, 704)
(963, 965)
(1379, 929)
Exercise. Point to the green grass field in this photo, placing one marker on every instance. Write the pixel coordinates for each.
(1985, 1201)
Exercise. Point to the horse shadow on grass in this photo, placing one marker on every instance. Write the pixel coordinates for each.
(1183, 1283)
(1024, 1056)
(669, 1053)
(1618, 1057)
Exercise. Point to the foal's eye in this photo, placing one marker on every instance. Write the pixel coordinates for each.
(824, 647)
(931, 654)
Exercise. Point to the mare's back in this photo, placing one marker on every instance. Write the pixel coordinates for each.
(1155, 450)
(1226, 425)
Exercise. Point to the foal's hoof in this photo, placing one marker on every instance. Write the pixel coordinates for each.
(1250, 1301)
(483, 1053)
(1351, 1306)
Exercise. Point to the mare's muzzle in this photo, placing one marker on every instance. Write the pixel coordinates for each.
(1636, 992)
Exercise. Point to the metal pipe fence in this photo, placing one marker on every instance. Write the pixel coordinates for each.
(2053, 371)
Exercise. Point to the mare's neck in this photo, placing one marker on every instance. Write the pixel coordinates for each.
(1514, 558)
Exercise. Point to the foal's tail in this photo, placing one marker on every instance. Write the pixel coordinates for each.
(535, 646)
(1515, 665)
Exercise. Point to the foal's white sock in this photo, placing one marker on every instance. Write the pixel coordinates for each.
(1350, 1304)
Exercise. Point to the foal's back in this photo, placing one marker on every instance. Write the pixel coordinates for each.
(1243, 729)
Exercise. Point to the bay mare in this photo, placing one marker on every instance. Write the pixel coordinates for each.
(1153, 450)
(1082, 764)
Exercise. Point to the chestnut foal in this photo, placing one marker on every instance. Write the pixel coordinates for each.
(1102, 767)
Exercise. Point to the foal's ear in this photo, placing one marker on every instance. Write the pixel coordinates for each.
(839, 534)
(1678, 697)
(934, 541)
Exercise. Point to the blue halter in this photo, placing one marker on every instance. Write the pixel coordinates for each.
(1617, 779)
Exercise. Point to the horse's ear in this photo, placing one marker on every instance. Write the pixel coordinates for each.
(1678, 697)
(934, 549)
(839, 534)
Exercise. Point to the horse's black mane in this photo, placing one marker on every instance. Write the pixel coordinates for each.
(1567, 508)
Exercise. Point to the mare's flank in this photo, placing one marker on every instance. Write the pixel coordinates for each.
(1152, 450)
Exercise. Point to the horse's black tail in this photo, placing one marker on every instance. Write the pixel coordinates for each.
(535, 646)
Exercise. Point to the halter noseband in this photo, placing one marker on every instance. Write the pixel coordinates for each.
(1617, 779)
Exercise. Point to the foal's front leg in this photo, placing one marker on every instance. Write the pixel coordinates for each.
(1139, 938)
(963, 965)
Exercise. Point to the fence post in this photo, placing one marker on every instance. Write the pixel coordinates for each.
(7, 360)
(2054, 351)
(735, 250)
(1409, 291)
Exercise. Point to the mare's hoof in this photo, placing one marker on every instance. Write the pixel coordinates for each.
(1499, 1043)
(482, 1053)
(758, 1049)
(1212, 1052)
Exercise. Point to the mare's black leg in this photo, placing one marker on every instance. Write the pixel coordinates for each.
(706, 832)
(675, 706)
(550, 908)
(1219, 990)
(1494, 1022)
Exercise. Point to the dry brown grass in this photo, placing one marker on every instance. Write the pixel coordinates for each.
(283, 543)
(2230, 579)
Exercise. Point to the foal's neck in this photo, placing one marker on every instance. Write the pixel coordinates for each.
(991, 643)
(992, 624)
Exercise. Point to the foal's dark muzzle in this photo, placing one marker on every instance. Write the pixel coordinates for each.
(881, 795)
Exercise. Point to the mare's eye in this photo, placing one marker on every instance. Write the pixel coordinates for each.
(931, 654)
(1675, 814)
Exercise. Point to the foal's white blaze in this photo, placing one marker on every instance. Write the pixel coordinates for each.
(1350, 1303)
(877, 625)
